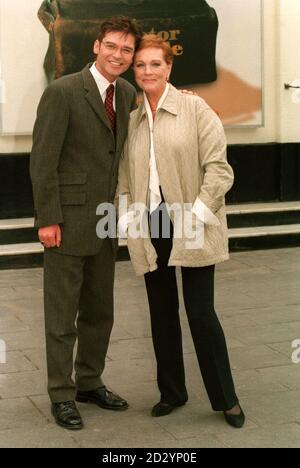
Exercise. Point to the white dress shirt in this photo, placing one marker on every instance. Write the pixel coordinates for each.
(102, 84)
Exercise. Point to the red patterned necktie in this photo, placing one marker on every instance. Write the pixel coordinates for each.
(109, 106)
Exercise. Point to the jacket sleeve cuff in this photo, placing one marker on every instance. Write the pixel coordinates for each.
(204, 213)
(124, 223)
(45, 222)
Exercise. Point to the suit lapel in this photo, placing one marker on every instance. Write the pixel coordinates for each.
(122, 116)
(93, 96)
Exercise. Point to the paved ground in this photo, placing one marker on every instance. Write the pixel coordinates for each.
(258, 301)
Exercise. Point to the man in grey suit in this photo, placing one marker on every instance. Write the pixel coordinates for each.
(78, 136)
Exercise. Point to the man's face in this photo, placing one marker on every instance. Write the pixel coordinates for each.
(114, 54)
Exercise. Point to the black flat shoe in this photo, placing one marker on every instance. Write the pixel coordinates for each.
(103, 398)
(235, 420)
(162, 409)
(67, 415)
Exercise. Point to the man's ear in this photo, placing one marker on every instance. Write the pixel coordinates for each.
(96, 47)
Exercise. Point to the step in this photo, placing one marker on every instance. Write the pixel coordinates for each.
(246, 208)
(264, 237)
(261, 231)
(231, 210)
(17, 231)
(25, 255)
(32, 248)
(19, 246)
(19, 223)
(21, 249)
(241, 239)
(263, 214)
(30, 254)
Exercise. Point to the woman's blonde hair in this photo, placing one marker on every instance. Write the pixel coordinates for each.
(153, 40)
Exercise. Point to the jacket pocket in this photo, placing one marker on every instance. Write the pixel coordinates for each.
(72, 198)
(72, 178)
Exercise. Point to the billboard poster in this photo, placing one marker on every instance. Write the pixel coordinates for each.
(217, 46)
(237, 94)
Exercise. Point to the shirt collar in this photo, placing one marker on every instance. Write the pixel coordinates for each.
(169, 104)
(160, 102)
(101, 81)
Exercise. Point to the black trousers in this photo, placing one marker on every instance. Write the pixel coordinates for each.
(207, 332)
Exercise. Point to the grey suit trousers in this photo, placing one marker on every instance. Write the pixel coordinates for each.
(78, 300)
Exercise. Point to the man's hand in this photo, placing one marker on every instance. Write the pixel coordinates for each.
(187, 91)
(50, 236)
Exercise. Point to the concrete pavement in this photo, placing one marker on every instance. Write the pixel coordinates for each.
(258, 302)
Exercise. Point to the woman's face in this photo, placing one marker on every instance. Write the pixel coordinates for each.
(151, 70)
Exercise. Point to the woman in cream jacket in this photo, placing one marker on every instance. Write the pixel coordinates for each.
(175, 165)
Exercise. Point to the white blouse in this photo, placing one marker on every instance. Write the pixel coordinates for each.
(154, 190)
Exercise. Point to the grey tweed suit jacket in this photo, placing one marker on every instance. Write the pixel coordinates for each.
(75, 157)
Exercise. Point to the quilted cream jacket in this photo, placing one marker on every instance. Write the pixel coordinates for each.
(190, 150)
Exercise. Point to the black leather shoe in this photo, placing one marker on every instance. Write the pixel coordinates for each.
(103, 398)
(235, 420)
(162, 409)
(67, 415)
